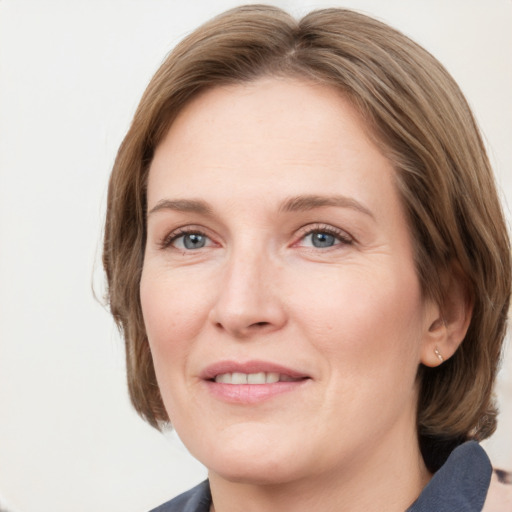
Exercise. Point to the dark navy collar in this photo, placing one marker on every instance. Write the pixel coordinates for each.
(459, 486)
(197, 499)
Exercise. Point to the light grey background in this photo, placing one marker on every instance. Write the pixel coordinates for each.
(71, 74)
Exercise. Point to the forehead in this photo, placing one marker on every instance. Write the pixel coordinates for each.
(266, 131)
(284, 104)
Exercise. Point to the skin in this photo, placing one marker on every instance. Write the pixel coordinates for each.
(350, 316)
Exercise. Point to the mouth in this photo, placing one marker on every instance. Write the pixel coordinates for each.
(251, 382)
(251, 372)
(239, 378)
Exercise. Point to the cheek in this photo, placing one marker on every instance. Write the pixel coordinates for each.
(173, 310)
(367, 316)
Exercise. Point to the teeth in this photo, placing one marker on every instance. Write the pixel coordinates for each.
(272, 377)
(224, 378)
(238, 378)
(251, 378)
(256, 378)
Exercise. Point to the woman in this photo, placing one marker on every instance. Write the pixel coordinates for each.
(307, 258)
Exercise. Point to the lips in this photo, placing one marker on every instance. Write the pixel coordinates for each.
(251, 382)
(251, 372)
(237, 378)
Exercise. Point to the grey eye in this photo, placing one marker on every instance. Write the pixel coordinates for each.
(194, 241)
(320, 239)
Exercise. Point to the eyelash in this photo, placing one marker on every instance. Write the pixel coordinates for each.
(168, 240)
(342, 236)
(338, 234)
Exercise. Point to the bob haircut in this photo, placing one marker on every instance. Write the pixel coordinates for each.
(420, 120)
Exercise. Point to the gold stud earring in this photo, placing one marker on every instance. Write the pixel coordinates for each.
(438, 354)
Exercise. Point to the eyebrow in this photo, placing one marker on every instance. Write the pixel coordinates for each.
(310, 202)
(182, 205)
(293, 204)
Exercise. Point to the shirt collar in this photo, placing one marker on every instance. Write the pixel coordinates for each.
(460, 485)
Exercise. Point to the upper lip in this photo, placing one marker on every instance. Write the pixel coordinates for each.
(221, 367)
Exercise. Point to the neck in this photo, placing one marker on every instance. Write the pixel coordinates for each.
(389, 477)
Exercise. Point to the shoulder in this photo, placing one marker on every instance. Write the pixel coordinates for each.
(499, 497)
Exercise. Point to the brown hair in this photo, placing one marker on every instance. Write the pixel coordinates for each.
(421, 121)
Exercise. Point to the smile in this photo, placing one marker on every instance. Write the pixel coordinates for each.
(251, 382)
(238, 378)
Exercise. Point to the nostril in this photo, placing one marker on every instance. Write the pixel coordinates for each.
(219, 325)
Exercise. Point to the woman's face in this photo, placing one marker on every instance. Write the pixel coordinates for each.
(282, 307)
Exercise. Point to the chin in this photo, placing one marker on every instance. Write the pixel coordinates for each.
(259, 473)
(248, 461)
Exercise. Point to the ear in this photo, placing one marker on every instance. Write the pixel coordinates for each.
(447, 323)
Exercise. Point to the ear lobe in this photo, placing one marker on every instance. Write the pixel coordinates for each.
(448, 321)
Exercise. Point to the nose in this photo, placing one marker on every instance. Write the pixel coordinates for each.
(249, 301)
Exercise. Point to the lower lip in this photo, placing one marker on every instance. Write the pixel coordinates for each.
(252, 393)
